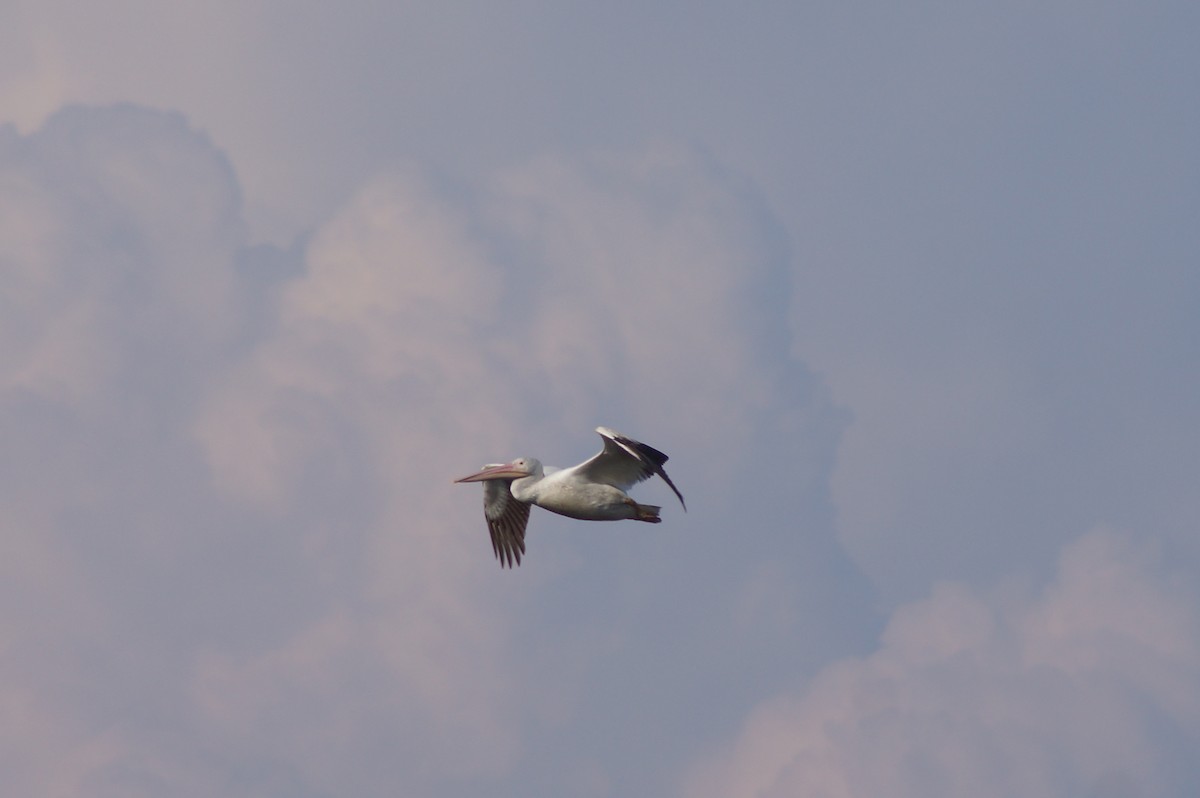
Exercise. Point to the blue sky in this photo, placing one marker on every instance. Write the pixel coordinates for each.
(909, 295)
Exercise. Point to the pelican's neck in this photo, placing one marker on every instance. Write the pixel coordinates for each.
(525, 489)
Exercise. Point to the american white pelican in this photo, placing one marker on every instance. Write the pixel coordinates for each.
(591, 491)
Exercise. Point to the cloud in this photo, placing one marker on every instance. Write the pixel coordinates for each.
(224, 492)
(655, 272)
(236, 564)
(1087, 688)
(228, 492)
(433, 323)
(106, 257)
(160, 629)
(340, 426)
(119, 234)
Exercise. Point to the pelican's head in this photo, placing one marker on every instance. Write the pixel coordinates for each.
(517, 469)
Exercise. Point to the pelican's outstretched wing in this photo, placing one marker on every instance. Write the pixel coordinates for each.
(625, 462)
(506, 520)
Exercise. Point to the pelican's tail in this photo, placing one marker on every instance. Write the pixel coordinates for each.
(648, 513)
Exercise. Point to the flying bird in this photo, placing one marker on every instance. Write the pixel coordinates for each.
(594, 490)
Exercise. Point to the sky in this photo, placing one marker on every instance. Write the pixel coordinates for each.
(910, 294)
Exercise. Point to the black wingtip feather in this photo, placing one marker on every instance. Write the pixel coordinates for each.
(655, 457)
(644, 449)
(652, 454)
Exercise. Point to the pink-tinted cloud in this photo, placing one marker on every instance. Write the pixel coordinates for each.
(1087, 688)
(227, 492)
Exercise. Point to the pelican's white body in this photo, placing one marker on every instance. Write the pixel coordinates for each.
(591, 491)
(567, 492)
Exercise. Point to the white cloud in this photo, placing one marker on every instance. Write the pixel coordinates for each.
(245, 525)
(216, 458)
(1089, 688)
(104, 255)
(422, 332)
(648, 277)
(381, 328)
(228, 485)
(118, 235)
(347, 423)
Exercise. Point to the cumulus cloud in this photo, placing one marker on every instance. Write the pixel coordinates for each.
(337, 426)
(153, 607)
(1087, 688)
(228, 500)
(429, 327)
(105, 256)
(233, 561)
(118, 244)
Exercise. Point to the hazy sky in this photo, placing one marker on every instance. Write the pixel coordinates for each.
(910, 293)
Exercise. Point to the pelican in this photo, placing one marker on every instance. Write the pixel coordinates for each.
(594, 490)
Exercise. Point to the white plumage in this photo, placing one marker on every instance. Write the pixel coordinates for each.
(594, 490)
